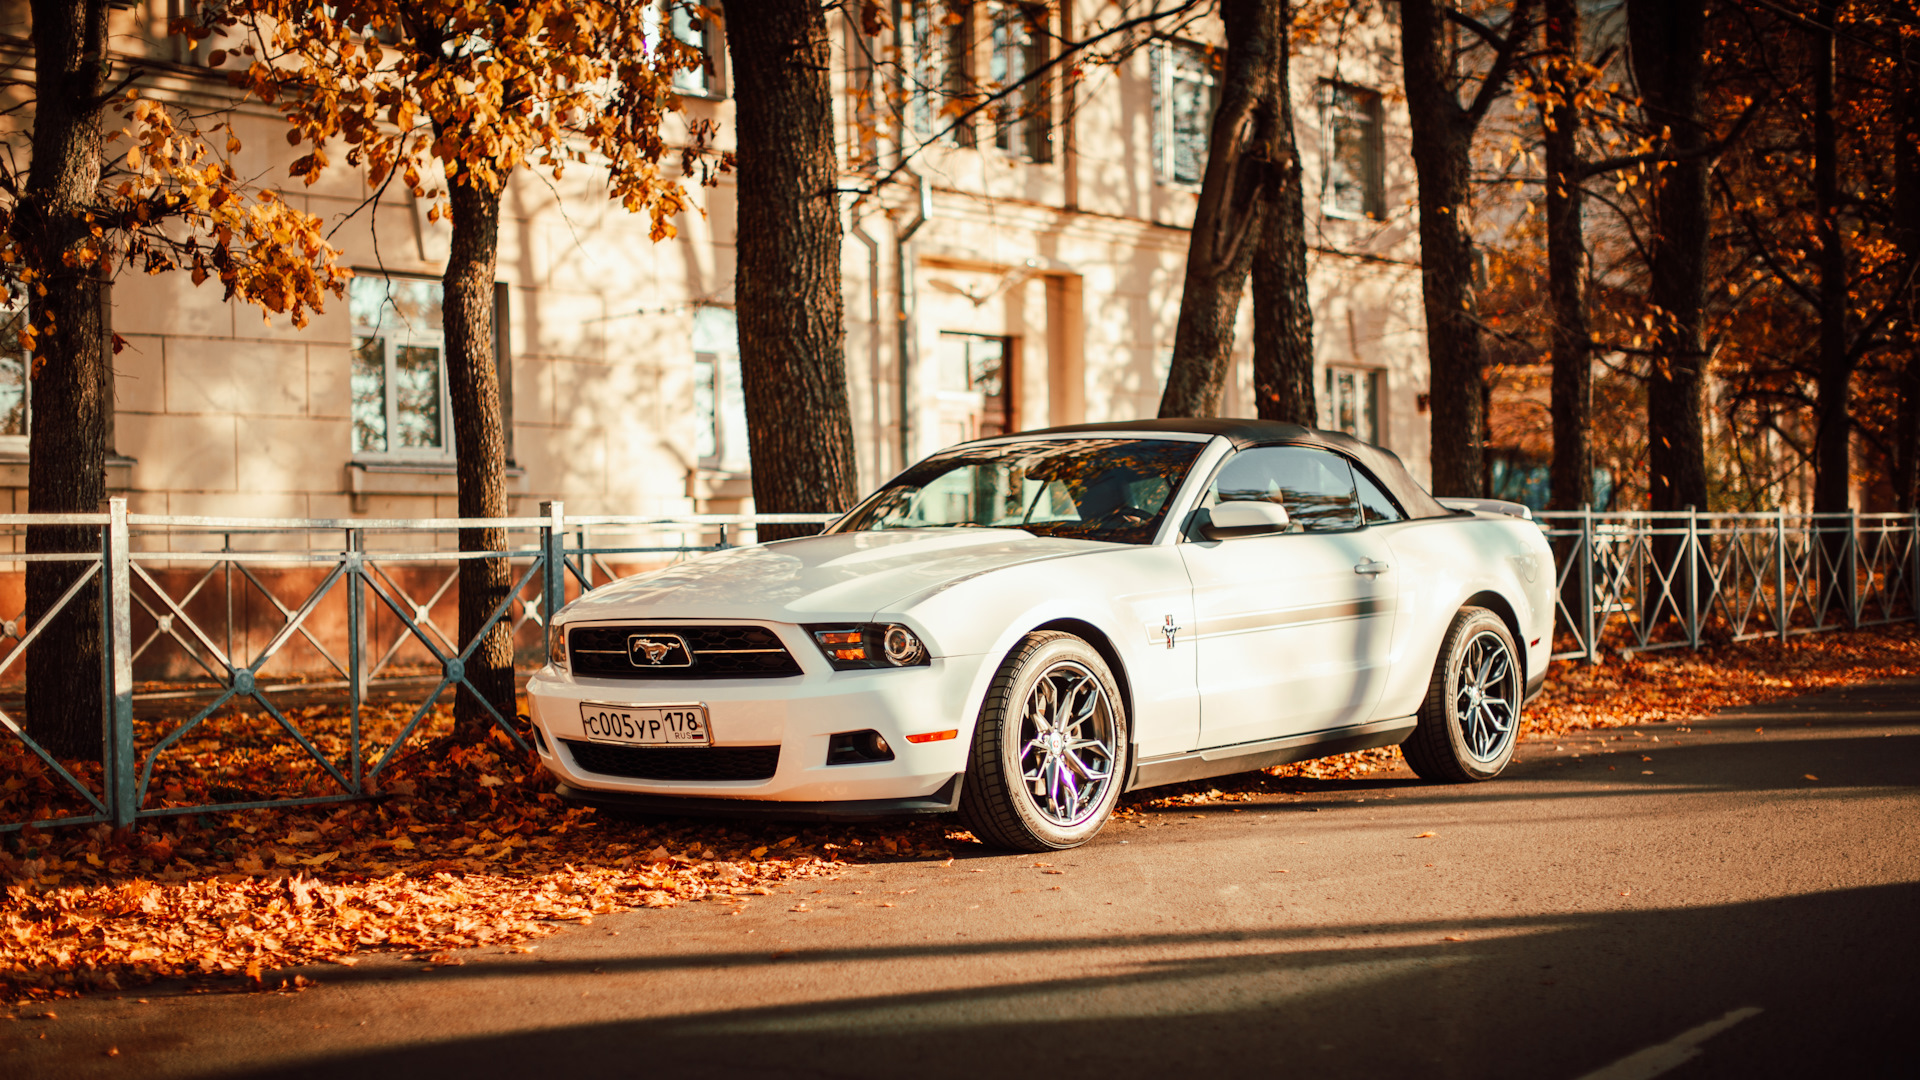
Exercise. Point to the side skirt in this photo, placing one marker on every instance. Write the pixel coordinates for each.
(1245, 757)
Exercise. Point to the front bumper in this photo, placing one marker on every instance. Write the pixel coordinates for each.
(799, 714)
(943, 801)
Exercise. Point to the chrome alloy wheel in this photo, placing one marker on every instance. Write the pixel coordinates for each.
(1068, 748)
(1487, 703)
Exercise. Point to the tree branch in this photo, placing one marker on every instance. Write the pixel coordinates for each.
(1713, 149)
(1507, 54)
(1760, 248)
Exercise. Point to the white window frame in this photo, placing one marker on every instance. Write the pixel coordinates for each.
(1373, 199)
(676, 16)
(401, 336)
(719, 361)
(1023, 128)
(1375, 381)
(1161, 56)
(10, 348)
(940, 70)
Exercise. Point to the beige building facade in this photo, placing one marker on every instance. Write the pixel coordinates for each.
(1021, 271)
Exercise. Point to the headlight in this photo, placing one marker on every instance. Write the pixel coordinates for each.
(557, 646)
(869, 645)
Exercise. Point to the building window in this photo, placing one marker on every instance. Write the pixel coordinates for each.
(976, 374)
(1351, 403)
(399, 384)
(719, 402)
(180, 48)
(1023, 119)
(939, 75)
(14, 383)
(1354, 181)
(690, 28)
(1183, 103)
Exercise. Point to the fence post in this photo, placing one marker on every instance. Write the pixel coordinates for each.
(553, 565)
(722, 546)
(1913, 579)
(1853, 568)
(1692, 555)
(1588, 627)
(356, 649)
(119, 577)
(1780, 572)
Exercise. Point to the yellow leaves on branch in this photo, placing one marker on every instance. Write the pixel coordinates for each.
(482, 88)
(180, 204)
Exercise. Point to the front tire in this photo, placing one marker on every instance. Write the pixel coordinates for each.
(1049, 750)
(1470, 720)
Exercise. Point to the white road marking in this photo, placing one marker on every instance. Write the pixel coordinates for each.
(1671, 1054)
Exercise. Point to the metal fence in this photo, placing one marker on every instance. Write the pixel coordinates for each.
(1635, 582)
(350, 644)
(368, 606)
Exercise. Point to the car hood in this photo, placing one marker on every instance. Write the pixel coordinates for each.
(841, 575)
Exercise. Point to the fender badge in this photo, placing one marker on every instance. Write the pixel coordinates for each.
(1170, 629)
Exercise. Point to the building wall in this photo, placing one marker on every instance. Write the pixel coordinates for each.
(1078, 262)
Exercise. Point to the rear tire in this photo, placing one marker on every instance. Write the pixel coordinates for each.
(1470, 720)
(1049, 750)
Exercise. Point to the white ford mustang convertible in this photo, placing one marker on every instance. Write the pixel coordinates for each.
(1023, 628)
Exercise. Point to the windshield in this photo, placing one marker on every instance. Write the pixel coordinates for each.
(1113, 489)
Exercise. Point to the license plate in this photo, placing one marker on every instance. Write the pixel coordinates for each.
(646, 725)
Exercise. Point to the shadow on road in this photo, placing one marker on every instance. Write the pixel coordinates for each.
(1834, 972)
(1839, 764)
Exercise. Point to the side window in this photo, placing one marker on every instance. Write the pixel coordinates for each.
(1315, 486)
(1375, 503)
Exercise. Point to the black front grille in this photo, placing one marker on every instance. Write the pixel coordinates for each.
(731, 652)
(676, 762)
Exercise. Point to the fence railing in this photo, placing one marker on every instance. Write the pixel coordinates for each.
(289, 662)
(251, 662)
(1635, 582)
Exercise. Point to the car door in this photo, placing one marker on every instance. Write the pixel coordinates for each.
(1293, 630)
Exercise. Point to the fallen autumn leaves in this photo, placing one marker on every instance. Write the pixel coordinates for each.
(471, 848)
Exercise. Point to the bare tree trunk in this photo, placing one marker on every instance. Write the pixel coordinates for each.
(1572, 398)
(1442, 133)
(1906, 231)
(1227, 220)
(1282, 313)
(480, 447)
(1668, 47)
(792, 331)
(72, 395)
(1833, 436)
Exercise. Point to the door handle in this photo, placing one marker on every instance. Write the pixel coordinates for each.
(1371, 566)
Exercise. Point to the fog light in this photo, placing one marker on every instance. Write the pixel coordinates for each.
(857, 748)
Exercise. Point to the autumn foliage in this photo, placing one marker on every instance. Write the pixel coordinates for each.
(412, 87)
(169, 198)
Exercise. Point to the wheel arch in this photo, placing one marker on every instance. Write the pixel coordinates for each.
(1103, 645)
(1499, 605)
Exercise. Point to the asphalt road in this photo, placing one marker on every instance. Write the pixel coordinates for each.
(1620, 902)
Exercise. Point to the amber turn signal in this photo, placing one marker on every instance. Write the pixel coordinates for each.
(935, 736)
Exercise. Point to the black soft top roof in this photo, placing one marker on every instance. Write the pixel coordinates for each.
(1384, 464)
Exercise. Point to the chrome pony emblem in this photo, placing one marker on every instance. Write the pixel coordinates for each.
(1170, 630)
(658, 650)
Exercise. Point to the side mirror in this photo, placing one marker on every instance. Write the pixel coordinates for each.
(1231, 519)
